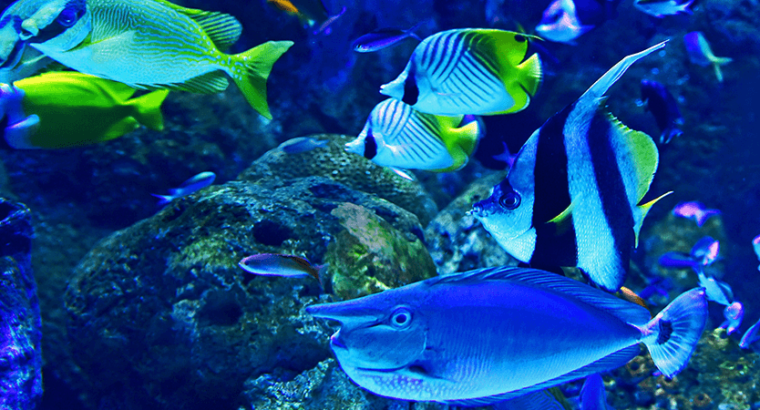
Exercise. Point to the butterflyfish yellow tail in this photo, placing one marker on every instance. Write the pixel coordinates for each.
(531, 74)
(258, 63)
(147, 109)
(460, 142)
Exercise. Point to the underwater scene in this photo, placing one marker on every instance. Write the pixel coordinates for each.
(341, 204)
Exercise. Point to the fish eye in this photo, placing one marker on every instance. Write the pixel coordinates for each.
(510, 200)
(401, 318)
(69, 16)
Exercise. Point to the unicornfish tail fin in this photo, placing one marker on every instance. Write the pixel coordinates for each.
(147, 109)
(672, 335)
(258, 63)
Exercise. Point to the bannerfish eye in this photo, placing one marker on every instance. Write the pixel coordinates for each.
(401, 318)
(510, 200)
(69, 16)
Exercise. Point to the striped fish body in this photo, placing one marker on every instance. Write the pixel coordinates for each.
(396, 135)
(469, 71)
(571, 198)
(156, 44)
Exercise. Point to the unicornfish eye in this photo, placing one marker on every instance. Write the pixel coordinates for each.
(510, 200)
(401, 318)
(68, 17)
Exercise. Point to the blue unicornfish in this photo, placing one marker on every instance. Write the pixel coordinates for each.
(483, 336)
(188, 187)
(751, 336)
(400, 137)
(662, 8)
(733, 314)
(274, 264)
(469, 71)
(566, 20)
(383, 38)
(695, 211)
(572, 197)
(144, 44)
(663, 106)
(701, 54)
(67, 108)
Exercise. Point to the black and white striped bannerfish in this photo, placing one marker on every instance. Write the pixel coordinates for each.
(571, 198)
(397, 136)
(469, 71)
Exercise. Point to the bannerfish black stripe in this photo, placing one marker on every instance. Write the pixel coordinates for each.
(615, 206)
(370, 146)
(552, 195)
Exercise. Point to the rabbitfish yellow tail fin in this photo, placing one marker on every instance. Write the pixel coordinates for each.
(258, 63)
(147, 109)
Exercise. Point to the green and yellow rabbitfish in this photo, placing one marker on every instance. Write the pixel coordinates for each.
(66, 109)
(147, 44)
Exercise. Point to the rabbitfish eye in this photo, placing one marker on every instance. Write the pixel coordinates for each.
(69, 16)
(510, 200)
(401, 318)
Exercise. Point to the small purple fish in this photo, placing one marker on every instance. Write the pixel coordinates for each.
(705, 251)
(383, 38)
(193, 184)
(701, 54)
(756, 245)
(694, 210)
(663, 106)
(733, 314)
(751, 336)
(275, 264)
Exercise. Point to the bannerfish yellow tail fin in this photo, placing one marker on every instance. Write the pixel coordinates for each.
(258, 63)
(147, 109)
(644, 210)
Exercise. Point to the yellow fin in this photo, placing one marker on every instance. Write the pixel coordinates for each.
(258, 63)
(148, 109)
(223, 29)
(644, 152)
(563, 215)
(644, 209)
(118, 129)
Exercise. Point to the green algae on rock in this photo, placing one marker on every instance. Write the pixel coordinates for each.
(351, 170)
(370, 256)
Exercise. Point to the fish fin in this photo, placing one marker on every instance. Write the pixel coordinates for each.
(716, 63)
(19, 135)
(592, 393)
(223, 29)
(402, 173)
(642, 149)
(626, 311)
(460, 142)
(643, 210)
(163, 199)
(672, 335)
(563, 216)
(606, 363)
(118, 129)
(600, 87)
(148, 109)
(210, 83)
(258, 63)
(529, 76)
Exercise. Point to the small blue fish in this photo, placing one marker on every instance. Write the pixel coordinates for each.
(593, 396)
(733, 314)
(193, 184)
(299, 145)
(701, 54)
(694, 210)
(717, 291)
(751, 336)
(565, 20)
(274, 264)
(703, 253)
(483, 336)
(663, 106)
(756, 246)
(662, 8)
(383, 38)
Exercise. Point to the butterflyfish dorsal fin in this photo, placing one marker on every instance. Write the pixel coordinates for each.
(223, 29)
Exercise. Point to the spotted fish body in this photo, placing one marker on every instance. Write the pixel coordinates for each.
(478, 337)
(396, 135)
(469, 71)
(156, 44)
(571, 198)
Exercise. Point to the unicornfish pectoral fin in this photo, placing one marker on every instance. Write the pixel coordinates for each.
(258, 63)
